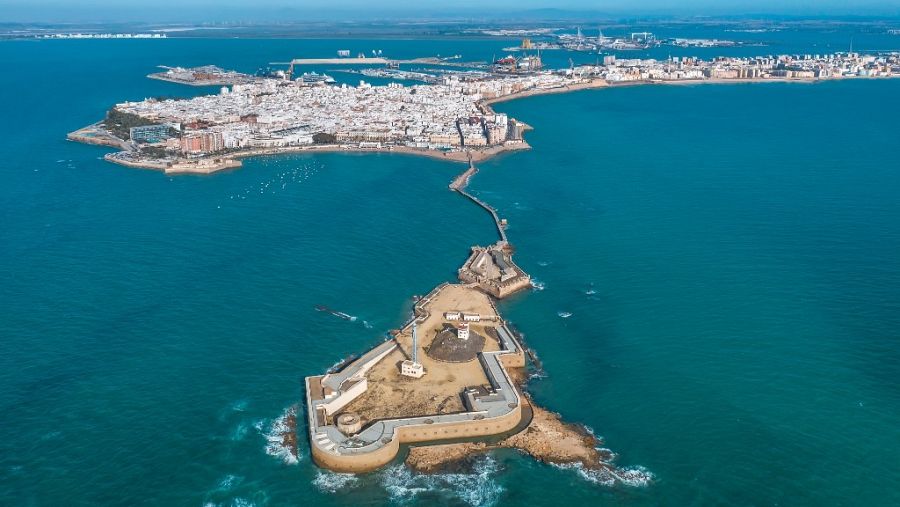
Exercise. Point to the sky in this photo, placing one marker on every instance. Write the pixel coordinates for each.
(298, 10)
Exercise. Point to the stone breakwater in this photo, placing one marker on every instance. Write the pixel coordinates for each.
(545, 436)
(391, 410)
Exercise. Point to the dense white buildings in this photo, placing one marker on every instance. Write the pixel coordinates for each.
(841, 65)
(271, 113)
(276, 113)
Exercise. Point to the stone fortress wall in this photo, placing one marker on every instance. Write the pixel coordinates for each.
(479, 267)
(379, 443)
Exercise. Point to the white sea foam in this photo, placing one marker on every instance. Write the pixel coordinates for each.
(609, 455)
(477, 488)
(564, 315)
(229, 481)
(335, 365)
(609, 476)
(543, 263)
(274, 436)
(537, 284)
(331, 482)
(637, 477)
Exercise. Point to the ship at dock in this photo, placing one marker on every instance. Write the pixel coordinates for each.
(313, 78)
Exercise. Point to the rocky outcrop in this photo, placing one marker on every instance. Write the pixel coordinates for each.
(547, 438)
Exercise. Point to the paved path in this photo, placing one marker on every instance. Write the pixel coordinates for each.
(460, 184)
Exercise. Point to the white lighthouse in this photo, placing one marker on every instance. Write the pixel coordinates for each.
(412, 367)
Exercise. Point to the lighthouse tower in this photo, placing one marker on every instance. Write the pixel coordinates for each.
(463, 332)
(412, 367)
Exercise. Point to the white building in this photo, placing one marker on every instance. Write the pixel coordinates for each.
(463, 332)
(410, 369)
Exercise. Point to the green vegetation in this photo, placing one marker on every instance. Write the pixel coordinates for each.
(154, 151)
(119, 122)
(323, 138)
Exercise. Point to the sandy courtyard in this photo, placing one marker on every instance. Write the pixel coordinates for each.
(391, 395)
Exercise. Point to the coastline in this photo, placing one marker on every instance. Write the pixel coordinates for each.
(547, 438)
(453, 156)
(94, 134)
(592, 84)
(505, 418)
(210, 165)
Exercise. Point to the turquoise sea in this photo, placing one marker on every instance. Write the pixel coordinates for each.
(728, 255)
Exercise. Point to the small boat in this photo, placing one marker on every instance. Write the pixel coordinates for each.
(345, 316)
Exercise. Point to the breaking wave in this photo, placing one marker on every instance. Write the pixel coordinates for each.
(281, 437)
(477, 488)
(537, 284)
(636, 477)
(331, 482)
(223, 494)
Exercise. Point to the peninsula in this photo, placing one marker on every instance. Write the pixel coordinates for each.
(449, 382)
(450, 117)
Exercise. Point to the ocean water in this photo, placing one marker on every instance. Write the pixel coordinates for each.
(727, 255)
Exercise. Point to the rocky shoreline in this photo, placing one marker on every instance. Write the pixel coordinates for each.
(546, 438)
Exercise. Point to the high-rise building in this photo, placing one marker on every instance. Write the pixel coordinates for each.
(149, 133)
(202, 142)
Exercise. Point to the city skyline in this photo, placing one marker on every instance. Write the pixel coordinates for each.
(320, 10)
